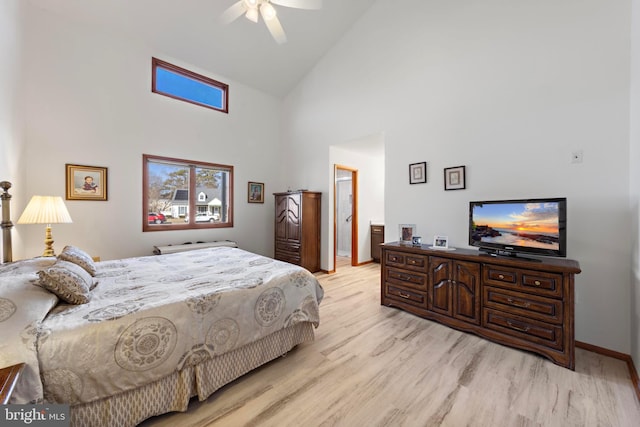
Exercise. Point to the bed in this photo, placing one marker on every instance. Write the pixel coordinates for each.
(154, 332)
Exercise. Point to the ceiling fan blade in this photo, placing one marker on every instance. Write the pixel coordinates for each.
(234, 12)
(276, 30)
(300, 4)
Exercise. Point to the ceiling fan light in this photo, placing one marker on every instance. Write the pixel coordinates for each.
(252, 15)
(267, 11)
(251, 3)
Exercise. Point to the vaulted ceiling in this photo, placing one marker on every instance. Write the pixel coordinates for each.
(243, 51)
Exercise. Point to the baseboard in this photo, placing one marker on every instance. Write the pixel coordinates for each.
(616, 355)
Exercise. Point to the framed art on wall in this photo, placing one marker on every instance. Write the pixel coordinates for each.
(418, 173)
(454, 178)
(255, 192)
(86, 182)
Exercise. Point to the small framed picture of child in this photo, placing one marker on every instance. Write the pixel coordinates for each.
(86, 182)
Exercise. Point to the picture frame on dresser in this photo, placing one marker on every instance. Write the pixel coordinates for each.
(441, 242)
(406, 233)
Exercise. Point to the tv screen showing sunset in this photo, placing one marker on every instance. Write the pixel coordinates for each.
(517, 224)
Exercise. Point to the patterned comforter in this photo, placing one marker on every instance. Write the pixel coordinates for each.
(151, 316)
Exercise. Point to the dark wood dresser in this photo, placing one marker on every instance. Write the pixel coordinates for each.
(526, 304)
(297, 232)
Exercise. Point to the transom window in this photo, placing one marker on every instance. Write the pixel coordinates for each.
(179, 83)
(183, 194)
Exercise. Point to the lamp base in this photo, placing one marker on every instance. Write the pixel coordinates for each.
(48, 243)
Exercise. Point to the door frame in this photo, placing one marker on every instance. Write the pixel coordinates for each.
(354, 214)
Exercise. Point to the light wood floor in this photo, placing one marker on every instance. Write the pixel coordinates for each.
(377, 366)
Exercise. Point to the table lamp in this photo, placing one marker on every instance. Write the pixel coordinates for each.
(46, 210)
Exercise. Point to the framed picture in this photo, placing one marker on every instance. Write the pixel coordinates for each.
(86, 182)
(407, 231)
(441, 242)
(255, 193)
(418, 173)
(454, 178)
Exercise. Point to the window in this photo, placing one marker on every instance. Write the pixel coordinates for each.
(185, 85)
(184, 194)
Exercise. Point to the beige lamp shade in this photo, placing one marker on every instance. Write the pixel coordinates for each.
(46, 210)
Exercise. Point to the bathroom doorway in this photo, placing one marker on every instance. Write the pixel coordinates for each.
(345, 247)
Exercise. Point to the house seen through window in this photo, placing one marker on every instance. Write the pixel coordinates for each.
(184, 194)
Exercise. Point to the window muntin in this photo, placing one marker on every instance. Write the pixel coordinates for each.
(168, 184)
(179, 83)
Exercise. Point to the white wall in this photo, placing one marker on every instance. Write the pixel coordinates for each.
(509, 88)
(89, 102)
(11, 114)
(635, 180)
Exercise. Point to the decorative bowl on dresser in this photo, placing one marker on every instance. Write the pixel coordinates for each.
(526, 303)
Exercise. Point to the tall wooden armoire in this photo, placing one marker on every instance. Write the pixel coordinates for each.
(298, 228)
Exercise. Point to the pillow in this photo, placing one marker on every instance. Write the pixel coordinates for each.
(68, 281)
(79, 257)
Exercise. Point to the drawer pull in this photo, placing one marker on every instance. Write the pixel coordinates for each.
(501, 276)
(405, 296)
(517, 328)
(537, 283)
(412, 261)
(518, 303)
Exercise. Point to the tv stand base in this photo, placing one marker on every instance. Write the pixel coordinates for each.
(509, 300)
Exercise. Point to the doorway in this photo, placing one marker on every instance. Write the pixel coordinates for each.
(345, 214)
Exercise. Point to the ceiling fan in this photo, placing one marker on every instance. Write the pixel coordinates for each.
(253, 9)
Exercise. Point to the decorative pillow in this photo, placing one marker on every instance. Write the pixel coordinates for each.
(79, 257)
(68, 281)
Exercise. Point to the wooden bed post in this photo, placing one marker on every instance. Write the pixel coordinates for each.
(6, 223)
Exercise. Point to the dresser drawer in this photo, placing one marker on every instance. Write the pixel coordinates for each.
(377, 229)
(292, 257)
(523, 327)
(519, 303)
(536, 282)
(282, 245)
(408, 261)
(406, 278)
(419, 299)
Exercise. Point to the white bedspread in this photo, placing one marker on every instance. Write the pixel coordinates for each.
(22, 307)
(151, 316)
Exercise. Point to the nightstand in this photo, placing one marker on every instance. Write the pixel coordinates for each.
(8, 379)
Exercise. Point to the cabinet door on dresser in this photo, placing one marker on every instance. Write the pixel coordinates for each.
(440, 299)
(288, 217)
(454, 289)
(466, 291)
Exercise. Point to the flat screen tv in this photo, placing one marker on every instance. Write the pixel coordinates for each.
(512, 227)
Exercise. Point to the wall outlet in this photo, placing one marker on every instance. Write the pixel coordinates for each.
(576, 156)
